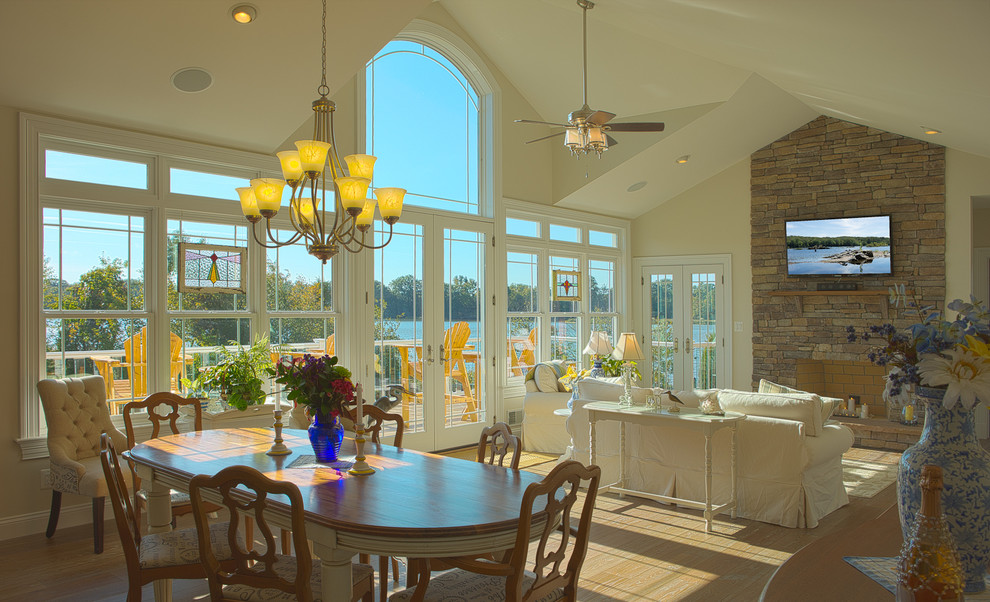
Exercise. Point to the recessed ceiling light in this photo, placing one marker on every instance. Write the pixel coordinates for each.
(931, 131)
(682, 159)
(636, 186)
(244, 13)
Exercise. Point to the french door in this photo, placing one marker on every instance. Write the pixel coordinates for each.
(685, 340)
(431, 327)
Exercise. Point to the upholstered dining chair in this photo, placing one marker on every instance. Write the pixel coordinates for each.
(375, 420)
(153, 412)
(77, 414)
(255, 571)
(561, 550)
(168, 555)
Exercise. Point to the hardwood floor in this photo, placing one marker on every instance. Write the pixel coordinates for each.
(639, 550)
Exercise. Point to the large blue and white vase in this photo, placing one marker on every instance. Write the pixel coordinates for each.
(949, 441)
(326, 438)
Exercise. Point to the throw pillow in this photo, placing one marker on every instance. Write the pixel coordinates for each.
(829, 404)
(802, 407)
(547, 375)
(566, 382)
(594, 389)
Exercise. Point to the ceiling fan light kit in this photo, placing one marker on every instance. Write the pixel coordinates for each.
(586, 130)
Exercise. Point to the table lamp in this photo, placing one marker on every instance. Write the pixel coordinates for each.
(598, 346)
(628, 350)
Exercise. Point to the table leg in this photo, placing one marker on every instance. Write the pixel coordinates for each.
(732, 467)
(336, 575)
(159, 521)
(708, 482)
(591, 444)
(622, 457)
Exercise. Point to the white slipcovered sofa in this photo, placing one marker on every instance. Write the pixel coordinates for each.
(789, 454)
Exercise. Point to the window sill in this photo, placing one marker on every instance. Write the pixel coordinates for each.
(33, 448)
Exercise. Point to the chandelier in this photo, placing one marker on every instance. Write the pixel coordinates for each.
(306, 170)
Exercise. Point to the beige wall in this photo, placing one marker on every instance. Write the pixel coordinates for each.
(711, 218)
(981, 228)
(966, 176)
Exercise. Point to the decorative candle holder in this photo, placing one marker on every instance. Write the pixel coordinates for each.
(361, 466)
(278, 448)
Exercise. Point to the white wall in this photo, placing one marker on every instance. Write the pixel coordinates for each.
(966, 176)
(711, 218)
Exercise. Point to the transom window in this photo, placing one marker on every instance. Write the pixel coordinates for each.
(423, 116)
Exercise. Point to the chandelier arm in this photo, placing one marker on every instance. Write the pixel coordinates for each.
(319, 233)
(278, 243)
(372, 246)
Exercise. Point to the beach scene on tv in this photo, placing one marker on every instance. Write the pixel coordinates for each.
(857, 245)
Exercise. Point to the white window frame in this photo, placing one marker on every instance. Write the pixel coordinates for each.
(38, 133)
(545, 248)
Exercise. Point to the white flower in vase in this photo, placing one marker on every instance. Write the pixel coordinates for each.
(965, 375)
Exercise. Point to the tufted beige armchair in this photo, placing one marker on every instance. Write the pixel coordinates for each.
(77, 414)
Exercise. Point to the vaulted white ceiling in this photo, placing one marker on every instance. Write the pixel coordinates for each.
(727, 76)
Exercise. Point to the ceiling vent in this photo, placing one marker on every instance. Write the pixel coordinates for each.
(192, 79)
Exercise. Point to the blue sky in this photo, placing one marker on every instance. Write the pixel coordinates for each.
(853, 226)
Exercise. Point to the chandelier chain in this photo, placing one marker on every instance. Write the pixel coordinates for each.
(323, 90)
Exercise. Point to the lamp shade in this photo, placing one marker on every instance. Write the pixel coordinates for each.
(268, 193)
(598, 344)
(390, 203)
(360, 166)
(627, 348)
(304, 210)
(366, 216)
(291, 165)
(249, 204)
(353, 191)
(313, 155)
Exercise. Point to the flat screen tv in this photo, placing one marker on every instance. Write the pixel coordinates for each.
(837, 247)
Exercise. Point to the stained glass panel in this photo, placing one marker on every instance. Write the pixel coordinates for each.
(211, 268)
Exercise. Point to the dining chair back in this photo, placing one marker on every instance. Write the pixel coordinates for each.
(77, 415)
(376, 423)
(564, 525)
(126, 518)
(497, 442)
(245, 491)
(161, 408)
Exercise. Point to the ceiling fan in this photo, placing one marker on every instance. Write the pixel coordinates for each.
(587, 130)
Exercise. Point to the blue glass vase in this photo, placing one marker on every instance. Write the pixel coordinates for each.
(949, 441)
(326, 438)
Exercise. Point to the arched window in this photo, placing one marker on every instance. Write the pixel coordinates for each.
(423, 117)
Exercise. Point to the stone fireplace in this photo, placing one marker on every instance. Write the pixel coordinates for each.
(829, 169)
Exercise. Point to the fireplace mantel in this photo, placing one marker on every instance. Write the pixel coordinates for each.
(799, 295)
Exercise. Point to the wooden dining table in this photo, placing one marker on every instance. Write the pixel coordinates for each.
(416, 504)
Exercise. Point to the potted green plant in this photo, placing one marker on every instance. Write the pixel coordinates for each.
(237, 374)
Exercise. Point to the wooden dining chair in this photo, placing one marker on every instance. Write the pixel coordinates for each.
(151, 408)
(563, 527)
(375, 421)
(168, 555)
(244, 490)
(496, 443)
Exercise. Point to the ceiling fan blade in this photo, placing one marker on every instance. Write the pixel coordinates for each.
(641, 126)
(600, 117)
(545, 137)
(559, 125)
(611, 141)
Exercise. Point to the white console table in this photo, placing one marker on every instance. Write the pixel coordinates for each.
(688, 418)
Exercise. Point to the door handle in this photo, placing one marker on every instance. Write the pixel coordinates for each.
(443, 358)
(687, 345)
(429, 355)
(675, 344)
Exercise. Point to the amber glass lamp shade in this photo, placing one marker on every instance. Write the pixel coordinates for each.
(304, 210)
(249, 204)
(367, 215)
(313, 156)
(268, 193)
(352, 193)
(292, 169)
(360, 166)
(390, 203)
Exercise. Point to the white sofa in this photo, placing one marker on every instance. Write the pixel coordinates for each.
(789, 455)
(544, 431)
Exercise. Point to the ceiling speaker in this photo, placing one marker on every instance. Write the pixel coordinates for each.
(192, 79)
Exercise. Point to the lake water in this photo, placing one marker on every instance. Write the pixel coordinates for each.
(809, 261)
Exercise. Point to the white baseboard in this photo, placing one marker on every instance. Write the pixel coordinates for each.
(35, 523)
